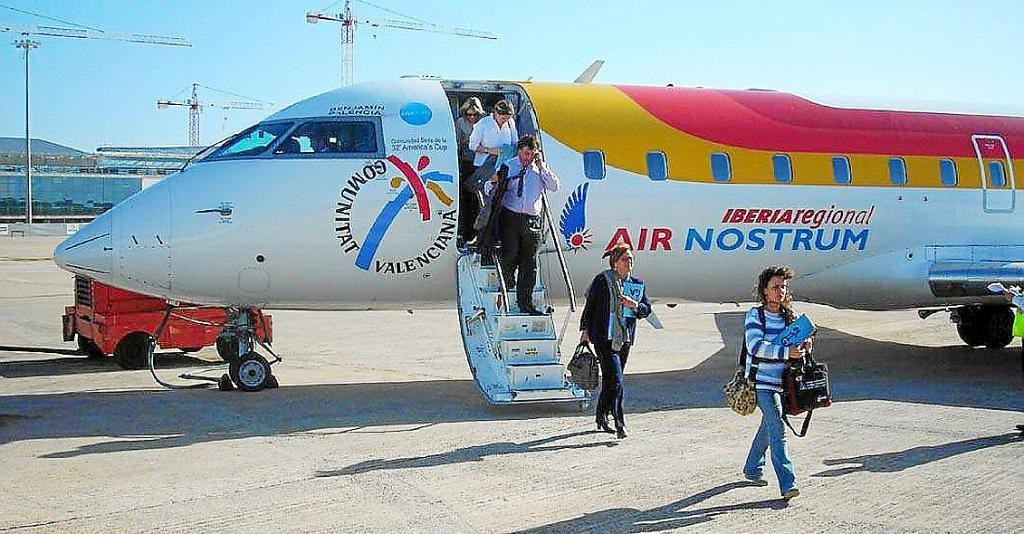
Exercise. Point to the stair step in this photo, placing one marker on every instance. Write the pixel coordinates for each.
(549, 395)
(492, 283)
(516, 351)
(525, 327)
(491, 299)
(536, 376)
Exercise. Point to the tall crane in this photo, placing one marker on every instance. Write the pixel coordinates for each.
(348, 31)
(27, 44)
(195, 106)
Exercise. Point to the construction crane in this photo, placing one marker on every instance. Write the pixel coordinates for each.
(27, 44)
(348, 31)
(195, 106)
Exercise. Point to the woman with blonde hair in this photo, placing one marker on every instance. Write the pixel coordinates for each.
(469, 204)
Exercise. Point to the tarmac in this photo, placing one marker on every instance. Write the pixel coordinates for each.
(378, 427)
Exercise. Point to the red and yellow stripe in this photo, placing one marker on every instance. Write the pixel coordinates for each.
(626, 122)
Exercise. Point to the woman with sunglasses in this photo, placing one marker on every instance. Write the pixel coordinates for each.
(469, 115)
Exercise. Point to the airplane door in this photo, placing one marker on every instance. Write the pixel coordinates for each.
(997, 180)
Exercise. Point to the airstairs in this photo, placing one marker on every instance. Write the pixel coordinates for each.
(515, 357)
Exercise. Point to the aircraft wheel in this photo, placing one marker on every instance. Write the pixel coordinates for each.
(251, 372)
(998, 327)
(89, 348)
(971, 334)
(132, 351)
(227, 348)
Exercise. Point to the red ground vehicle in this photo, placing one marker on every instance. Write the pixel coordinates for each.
(108, 320)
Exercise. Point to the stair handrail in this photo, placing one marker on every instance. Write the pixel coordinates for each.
(558, 251)
(501, 280)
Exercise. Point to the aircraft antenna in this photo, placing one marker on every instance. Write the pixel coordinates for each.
(195, 106)
(28, 43)
(349, 24)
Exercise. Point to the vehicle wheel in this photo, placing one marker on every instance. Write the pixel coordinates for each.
(971, 334)
(189, 350)
(89, 348)
(250, 372)
(132, 351)
(227, 348)
(998, 327)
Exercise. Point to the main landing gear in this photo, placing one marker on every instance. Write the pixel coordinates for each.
(988, 325)
(248, 370)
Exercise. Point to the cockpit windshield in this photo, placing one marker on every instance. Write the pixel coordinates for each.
(251, 142)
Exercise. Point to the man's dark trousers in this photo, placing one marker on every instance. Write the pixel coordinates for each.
(520, 239)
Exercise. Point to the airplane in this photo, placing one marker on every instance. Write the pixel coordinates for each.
(874, 209)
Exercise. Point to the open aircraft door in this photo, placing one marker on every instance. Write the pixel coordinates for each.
(997, 180)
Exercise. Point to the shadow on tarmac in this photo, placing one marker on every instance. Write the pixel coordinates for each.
(860, 369)
(474, 453)
(77, 364)
(890, 462)
(671, 516)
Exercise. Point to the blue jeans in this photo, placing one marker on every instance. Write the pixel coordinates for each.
(771, 434)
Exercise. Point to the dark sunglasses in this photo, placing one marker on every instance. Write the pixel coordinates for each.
(472, 114)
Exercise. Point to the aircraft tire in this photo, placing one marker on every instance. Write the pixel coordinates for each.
(227, 348)
(89, 348)
(998, 327)
(251, 372)
(132, 351)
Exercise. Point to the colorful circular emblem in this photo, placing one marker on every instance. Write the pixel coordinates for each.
(416, 113)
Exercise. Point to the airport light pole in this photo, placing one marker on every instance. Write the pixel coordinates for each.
(28, 45)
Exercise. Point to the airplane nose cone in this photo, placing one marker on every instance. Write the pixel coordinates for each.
(89, 251)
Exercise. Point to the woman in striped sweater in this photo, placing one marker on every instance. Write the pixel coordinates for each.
(762, 324)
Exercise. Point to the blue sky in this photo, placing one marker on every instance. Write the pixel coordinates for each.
(959, 55)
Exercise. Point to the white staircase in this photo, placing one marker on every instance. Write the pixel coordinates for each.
(515, 358)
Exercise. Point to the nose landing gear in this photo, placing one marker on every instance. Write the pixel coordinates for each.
(248, 370)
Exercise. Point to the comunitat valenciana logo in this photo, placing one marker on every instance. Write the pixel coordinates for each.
(411, 192)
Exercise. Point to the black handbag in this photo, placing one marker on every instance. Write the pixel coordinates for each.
(584, 370)
(804, 388)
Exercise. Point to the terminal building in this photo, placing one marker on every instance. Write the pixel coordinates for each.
(72, 186)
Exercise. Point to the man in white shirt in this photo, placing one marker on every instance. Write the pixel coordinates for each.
(494, 133)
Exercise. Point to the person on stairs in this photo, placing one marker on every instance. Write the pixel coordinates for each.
(520, 222)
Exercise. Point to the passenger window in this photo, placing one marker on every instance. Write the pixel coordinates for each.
(657, 166)
(782, 167)
(251, 142)
(947, 172)
(897, 171)
(841, 170)
(720, 169)
(593, 164)
(996, 174)
(350, 138)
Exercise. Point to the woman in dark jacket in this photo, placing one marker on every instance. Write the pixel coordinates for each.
(615, 301)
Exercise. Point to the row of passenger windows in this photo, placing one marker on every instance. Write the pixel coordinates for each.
(782, 169)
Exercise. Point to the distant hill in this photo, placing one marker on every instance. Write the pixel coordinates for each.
(41, 147)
